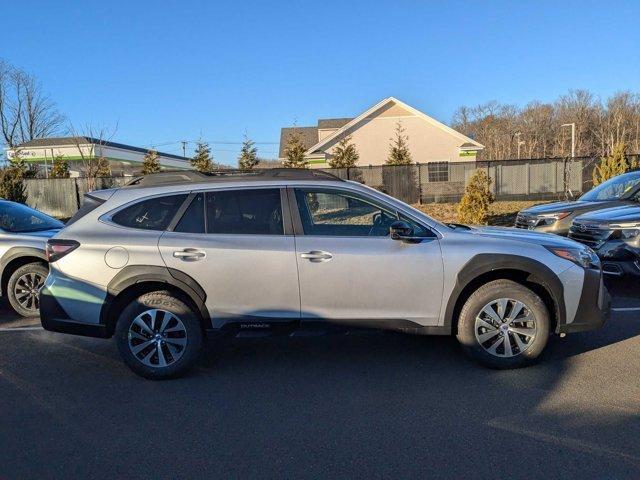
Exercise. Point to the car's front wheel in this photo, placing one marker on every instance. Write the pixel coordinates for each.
(23, 288)
(503, 324)
(159, 336)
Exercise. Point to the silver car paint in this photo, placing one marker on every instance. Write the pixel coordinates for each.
(572, 276)
(418, 278)
(371, 278)
(244, 275)
(36, 240)
(79, 280)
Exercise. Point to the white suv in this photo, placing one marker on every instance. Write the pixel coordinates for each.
(173, 256)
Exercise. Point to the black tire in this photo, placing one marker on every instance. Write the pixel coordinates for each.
(188, 354)
(482, 297)
(34, 274)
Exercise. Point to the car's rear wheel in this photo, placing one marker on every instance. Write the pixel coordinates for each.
(504, 325)
(24, 286)
(159, 336)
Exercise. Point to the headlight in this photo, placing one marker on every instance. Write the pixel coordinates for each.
(628, 230)
(584, 257)
(629, 234)
(551, 218)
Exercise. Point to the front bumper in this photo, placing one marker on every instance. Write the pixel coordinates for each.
(619, 258)
(621, 268)
(55, 319)
(594, 308)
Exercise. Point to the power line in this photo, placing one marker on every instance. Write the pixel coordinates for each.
(211, 142)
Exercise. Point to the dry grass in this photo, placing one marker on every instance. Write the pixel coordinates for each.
(502, 213)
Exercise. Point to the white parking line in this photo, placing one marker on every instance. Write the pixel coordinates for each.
(20, 329)
(626, 309)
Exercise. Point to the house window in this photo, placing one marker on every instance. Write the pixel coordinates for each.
(438, 171)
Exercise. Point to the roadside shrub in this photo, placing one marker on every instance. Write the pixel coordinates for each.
(60, 167)
(12, 185)
(474, 206)
(614, 164)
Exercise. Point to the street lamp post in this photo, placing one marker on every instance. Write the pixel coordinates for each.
(573, 138)
(519, 142)
(573, 155)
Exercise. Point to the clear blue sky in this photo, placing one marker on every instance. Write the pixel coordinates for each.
(171, 70)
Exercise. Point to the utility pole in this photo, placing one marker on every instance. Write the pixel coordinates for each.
(184, 148)
(573, 138)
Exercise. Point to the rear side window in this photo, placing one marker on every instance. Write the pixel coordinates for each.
(244, 212)
(150, 214)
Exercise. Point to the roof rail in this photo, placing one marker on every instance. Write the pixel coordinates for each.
(192, 176)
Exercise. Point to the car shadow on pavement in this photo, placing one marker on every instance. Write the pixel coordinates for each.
(358, 405)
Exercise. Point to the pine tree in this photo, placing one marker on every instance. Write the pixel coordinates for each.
(60, 168)
(151, 164)
(398, 148)
(345, 155)
(474, 206)
(248, 158)
(202, 160)
(614, 164)
(294, 152)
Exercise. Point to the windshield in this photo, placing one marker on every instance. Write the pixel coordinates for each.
(18, 218)
(614, 188)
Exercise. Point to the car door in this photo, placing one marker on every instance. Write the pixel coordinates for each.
(351, 270)
(238, 245)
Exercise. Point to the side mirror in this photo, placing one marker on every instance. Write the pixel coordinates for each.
(400, 230)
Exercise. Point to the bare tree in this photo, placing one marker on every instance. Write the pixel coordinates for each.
(26, 112)
(90, 145)
(600, 126)
(582, 108)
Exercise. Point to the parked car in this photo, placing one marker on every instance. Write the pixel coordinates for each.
(161, 262)
(556, 217)
(614, 234)
(23, 262)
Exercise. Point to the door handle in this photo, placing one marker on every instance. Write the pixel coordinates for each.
(189, 254)
(317, 256)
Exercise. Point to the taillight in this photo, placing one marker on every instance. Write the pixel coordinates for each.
(56, 249)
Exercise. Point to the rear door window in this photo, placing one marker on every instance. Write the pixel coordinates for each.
(244, 212)
(150, 214)
(193, 219)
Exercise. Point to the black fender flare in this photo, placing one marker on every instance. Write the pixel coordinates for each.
(481, 264)
(133, 274)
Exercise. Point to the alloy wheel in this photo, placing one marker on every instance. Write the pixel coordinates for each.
(157, 338)
(27, 290)
(505, 327)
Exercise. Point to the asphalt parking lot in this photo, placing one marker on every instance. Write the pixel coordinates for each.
(356, 406)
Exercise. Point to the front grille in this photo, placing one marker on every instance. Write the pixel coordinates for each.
(590, 235)
(525, 221)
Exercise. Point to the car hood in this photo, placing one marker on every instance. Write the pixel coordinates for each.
(520, 235)
(573, 206)
(611, 215)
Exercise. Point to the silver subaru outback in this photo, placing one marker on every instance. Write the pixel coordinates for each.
(173, 257)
